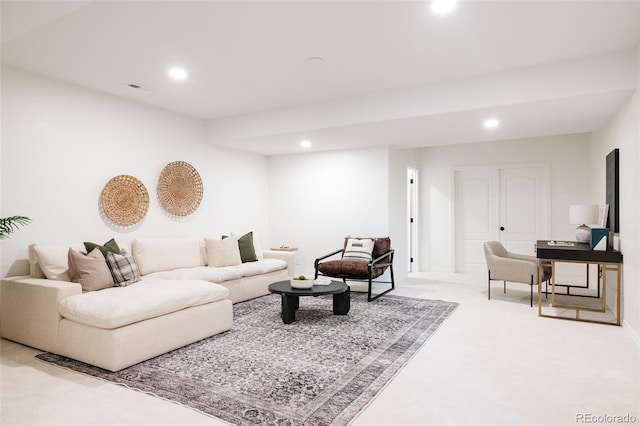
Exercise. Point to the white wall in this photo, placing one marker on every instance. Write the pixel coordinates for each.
(623, 132)
(61, 144)
(568, 155)
(316, 199)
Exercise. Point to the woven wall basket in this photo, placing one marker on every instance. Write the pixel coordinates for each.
(125, 200)
(180, 188)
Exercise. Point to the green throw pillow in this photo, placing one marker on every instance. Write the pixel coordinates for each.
(109, 246)
(247, 250)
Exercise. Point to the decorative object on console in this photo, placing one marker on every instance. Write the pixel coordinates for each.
(603, 215)
(179, 188)
(124, 200)
(583, 215)
(284, 248)
(600, 239)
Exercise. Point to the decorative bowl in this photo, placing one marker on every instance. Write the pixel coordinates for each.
(298, 283)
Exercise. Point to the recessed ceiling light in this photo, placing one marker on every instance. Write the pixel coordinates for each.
(440, 7)
(491, 123)
(178, 73)
(305, 144)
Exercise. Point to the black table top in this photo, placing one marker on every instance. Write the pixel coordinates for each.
(579, 252)
(284, 287)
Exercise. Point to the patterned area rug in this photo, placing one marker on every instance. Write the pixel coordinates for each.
(320, 370)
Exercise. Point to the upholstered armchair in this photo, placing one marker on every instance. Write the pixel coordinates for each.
(518, 268)
(361, 259)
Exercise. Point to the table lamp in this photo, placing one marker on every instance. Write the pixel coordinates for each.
(582, 215)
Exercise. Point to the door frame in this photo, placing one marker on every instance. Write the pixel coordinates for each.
(545, 165)
(412, 214)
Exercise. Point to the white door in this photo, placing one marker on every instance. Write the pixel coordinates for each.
(524, 208)
(507, 204)
(475, 216)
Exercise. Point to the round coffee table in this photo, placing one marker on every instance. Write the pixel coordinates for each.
(291, 297)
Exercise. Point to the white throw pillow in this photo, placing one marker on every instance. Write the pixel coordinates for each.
(53, 261)
(223, 252)
(358, 249)
(34, 265)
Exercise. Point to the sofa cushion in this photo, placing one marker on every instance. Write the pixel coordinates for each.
(250, 269)
(119, 306)
(206, 273)
(90, 270)
(348, 268)
(222, 274)
(159, 254)
(223, 252)
(272, 265)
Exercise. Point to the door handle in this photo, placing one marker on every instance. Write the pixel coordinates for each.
(502, 228)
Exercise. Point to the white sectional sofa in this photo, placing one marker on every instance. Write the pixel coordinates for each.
(181, 298)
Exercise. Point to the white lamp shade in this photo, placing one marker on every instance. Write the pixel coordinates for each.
(583, 214)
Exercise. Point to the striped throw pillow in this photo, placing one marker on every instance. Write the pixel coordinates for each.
(358, 249)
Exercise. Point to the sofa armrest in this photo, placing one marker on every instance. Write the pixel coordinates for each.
(29, 309)
(287, 256)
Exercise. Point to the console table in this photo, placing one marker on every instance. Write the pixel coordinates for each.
(550, 253)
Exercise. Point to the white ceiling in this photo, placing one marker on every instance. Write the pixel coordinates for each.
(393, 73)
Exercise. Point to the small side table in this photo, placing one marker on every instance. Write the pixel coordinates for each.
(296, 257)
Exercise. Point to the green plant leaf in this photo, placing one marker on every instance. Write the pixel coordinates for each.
(11, 224)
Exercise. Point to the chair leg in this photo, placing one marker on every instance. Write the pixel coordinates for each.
(504, 284)
(370, 296)
(393, 281)
(531, 303)
(489, 284)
